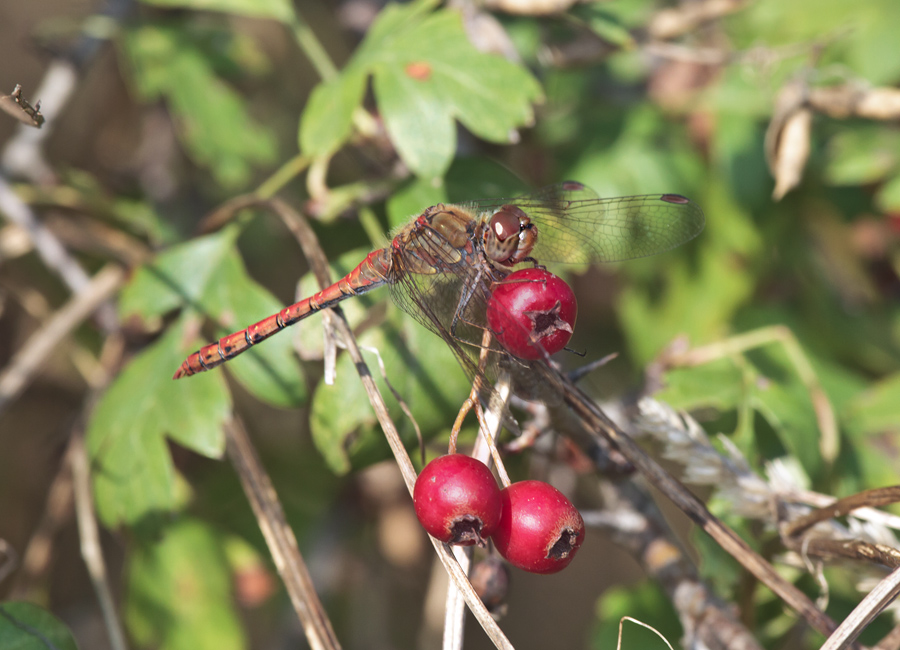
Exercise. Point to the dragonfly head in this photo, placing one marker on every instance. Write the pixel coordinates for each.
(510, 237)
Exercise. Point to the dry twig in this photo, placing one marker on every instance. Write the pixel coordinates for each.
(868, 499)
(864, 613)
(279, 538)
(677, 21)
(89, 536)
(28, 360)
(596, 421)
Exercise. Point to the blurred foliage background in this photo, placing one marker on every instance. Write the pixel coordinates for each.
(778, 118)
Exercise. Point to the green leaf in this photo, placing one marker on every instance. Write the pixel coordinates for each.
(328, 116)
(861, 155)
(426, 74)
(765, 382)
(874, 410)
(419, 123)
(422, 369)
(25, 626)
(179, 590)
(206, 274)
(646, 602)
(605, 24)
(133, 474)
(280, 10)
(783, 400)
(214, 125)
(888, 196)
(719, 384)
(179, 276)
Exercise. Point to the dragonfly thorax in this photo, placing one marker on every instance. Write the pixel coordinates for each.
(510, 236)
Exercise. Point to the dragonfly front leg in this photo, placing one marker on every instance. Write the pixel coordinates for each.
(470, 289)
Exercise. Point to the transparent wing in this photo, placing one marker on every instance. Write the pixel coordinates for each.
(575, 226)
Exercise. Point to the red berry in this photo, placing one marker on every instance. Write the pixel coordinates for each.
(531, 312)
(540, 530)
(457, 500)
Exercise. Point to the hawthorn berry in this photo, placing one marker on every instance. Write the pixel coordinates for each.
(540, 530)
(531, 312)
(457, 500)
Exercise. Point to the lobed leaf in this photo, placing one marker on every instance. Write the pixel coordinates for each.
(426, 74)
(133, 475)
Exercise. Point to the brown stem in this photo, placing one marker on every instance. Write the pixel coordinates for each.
(279, 538)
(867, 499)
(597, 421)
(29, 358)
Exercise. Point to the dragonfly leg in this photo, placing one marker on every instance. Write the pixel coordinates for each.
(479, 283)
(464, 299)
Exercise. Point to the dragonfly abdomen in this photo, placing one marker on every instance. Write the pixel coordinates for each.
(373, 272)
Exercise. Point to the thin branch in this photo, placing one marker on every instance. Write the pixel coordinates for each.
(484, 450)
(56, 513)
(279, 538)
(319, 265)
(866, 499)
(89, 536)
(677, 21)
(314, 50)
(282, 176)
(635, 522)
(851, 549)
(864, 613)
(818, 500)
(28, 360)
(596, 421)
(47, 246)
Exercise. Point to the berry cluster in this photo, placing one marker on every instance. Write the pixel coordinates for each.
(533, 525)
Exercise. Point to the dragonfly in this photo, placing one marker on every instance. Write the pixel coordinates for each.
(441, 266)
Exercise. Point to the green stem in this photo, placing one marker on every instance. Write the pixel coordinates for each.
(313, 50)
(372, 226)
(282, 176)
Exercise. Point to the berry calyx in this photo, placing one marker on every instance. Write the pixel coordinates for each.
(457, 500)
(532, 312)
(540, 530)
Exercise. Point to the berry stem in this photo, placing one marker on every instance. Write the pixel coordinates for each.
(489, 431)
(493, 420)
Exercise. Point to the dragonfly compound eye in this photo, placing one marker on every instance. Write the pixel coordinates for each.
(508, 222)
